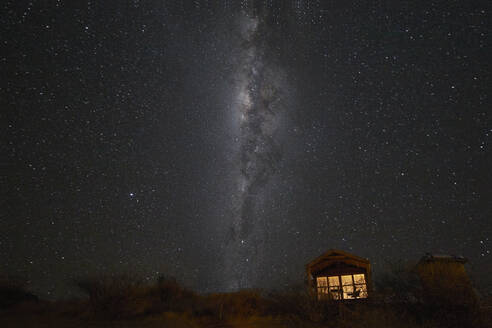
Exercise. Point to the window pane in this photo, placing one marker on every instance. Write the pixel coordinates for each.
(359, 278)
(334, 281)
(321, 281)
(361, 291)
(347, 280)
(335, 293)
(348, 292)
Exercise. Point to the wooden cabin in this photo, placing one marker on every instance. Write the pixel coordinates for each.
(445, 277)
(338, 275)
(435, 267)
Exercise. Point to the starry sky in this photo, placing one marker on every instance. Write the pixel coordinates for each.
(228, 143)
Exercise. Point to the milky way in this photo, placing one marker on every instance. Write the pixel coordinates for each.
(257, 107)
(229, 143)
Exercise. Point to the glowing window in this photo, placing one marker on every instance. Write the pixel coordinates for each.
(322, 284)
(347, 280)
(342, 287)
(360, 286)
(359, 278)
(334, 281)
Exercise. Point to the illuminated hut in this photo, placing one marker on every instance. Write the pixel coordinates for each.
(338, 275)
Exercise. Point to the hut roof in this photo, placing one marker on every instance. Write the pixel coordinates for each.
(442, 258)
(335, 255)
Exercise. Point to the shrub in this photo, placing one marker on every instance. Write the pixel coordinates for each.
(13, 292)
(126, 296)
(115, 296)
(168, 295)
(436, 294)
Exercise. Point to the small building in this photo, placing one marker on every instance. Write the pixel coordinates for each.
(434, 267)
(445, 277)
(338, 275)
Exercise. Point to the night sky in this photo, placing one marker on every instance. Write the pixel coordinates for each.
(228, 143)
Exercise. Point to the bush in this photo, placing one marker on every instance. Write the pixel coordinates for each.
(169, 295)
(244, 303)
(301, 305)
(444, 298)
(115, 296)
(126, 296)
(13, 292)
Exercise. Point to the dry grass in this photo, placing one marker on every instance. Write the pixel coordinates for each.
(124, 296)
(124, 301)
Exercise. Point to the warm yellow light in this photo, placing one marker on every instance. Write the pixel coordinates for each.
(342, 287)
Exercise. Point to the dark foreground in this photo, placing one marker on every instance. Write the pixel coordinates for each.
(126, 303)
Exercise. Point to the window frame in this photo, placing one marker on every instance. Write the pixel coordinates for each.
(341, 291)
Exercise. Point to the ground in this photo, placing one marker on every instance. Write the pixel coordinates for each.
(124, 303)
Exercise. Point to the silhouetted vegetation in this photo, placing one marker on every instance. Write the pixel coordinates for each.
(12, 292)
(443, 299)
(126, 296)
(401, 300)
